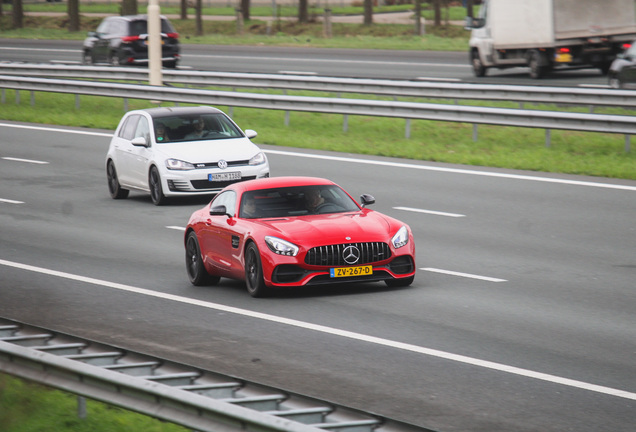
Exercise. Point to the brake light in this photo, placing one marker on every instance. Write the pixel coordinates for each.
(564, 50)
(626, 46)
(173, 35)
(129, 38)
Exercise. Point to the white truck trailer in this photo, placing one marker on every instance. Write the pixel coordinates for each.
(547, 34)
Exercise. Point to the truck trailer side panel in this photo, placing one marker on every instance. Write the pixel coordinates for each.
(593, 18)
(520, 23)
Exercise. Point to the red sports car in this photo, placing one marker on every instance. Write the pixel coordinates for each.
(295, 231)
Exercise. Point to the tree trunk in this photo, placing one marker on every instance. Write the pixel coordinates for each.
(245, 9)
(199, 18)
(184, 9)
(368, 12)
(438, 12)
(303, 11)
(469, 8)
(73, 15)
(129, 7)
(18, 14)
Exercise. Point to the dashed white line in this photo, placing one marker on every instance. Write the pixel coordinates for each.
(8, 201)
(438, 213)
(174, 227)
(466, 275)
(25, 160)
(336, 332)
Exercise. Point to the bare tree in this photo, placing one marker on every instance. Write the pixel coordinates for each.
(129, 7)
(437, 5)
(469, 8)
(18, 14)
(73, 15)
(368, 12)
(303, 11)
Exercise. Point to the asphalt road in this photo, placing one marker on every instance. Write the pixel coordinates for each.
(521, 316)
(386, 64)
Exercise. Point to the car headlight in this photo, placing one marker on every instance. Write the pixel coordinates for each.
(281, 247)
(400, 238)
(259, 159)
(176, 164)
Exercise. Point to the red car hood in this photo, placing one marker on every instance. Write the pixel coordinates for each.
(320, 230)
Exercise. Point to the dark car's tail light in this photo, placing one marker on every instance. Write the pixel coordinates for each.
(173, 35)
(626, 46)
(130, 38)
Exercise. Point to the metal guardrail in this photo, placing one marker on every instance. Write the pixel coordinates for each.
(198, 399)
(418, 89)
(548, 120)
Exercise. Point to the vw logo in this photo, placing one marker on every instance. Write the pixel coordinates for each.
(222, 164)
(351, 255)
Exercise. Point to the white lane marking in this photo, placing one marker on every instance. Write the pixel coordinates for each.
(382, 163)
(51, 129)
(8, 201)
(466, 275)
(336, 332)
(25, 160)
(174, 227)
(37, 49)
(452, 170)
(437, 79)
(438, 213)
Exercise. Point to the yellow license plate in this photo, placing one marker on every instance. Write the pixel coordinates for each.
(351, 271)
(563, 58)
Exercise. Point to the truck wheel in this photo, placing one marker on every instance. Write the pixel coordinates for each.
(478, 67)
(537, 71)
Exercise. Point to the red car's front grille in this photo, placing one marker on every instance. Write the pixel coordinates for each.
(348, 254)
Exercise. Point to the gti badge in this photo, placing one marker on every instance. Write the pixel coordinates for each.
(222, 164)
(351, 255)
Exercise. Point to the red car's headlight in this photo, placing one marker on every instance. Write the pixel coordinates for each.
(281, 247)
(401, 238)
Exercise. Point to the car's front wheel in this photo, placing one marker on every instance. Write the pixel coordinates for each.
(115, 189)
(156, 190)
(197, 273)
(254, 272)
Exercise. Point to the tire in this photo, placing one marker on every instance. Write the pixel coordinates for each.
(87, 58)
(254, 272)
(534, 63)
(197, 273)
(114, 60)
(396, 283)
(115, 189)
(156, 190)
(478, 67)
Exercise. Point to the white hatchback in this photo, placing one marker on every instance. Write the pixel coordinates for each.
(180, 151)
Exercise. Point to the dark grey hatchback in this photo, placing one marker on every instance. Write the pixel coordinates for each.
(123, 40)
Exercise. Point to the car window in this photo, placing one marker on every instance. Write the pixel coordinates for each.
(166, 27)
(142, 130)
(130, 126)
(228, 199)
(199, 127)
(138, 27)
(296, 201)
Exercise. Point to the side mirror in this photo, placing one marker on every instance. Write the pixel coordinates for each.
(219, 210)
(250, 133)
(473, 23)
(92, 34)
(366, 200)
(139, 142)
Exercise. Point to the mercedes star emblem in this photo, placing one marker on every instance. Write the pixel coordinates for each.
(351, 255)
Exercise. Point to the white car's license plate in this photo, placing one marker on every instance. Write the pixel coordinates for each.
(351, 271)
(224, 176)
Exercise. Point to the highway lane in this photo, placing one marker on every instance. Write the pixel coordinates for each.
(545, 285)
(387, 64)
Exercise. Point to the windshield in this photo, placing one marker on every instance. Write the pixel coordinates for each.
(195, 127)
(296, 201)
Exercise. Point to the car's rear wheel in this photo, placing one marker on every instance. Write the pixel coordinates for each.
(197, 273)
(254, 272)
(87, 58)
(396, 283)
(156, 190)
(115, 189)
(114, 60)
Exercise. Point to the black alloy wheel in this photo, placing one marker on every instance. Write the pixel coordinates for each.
(154, 184)
(254, 272)
(115, 189)
(197, 273)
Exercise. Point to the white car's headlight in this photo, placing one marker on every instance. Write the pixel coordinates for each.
(259, 159)
(400, 238)
(281, 247)
(176, 164)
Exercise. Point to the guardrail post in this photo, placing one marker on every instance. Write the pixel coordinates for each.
(345, 123)
(286, 118)
(4, 96)
(407, 132)
(475, 132)
(627, 143)
(326, 28)
(32, 98)
(125, 104)
(548, 138)
(81, 407)
(77, 101)
(17, 97)
(239, 21)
